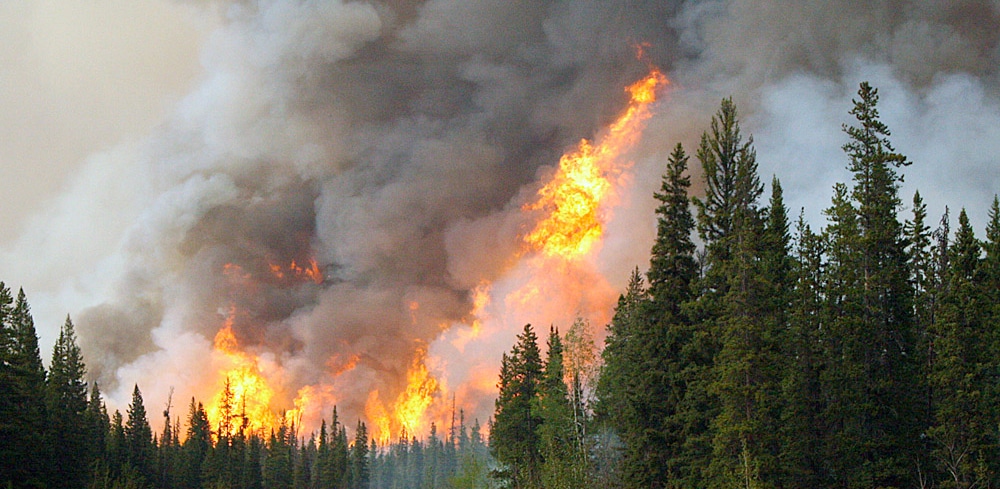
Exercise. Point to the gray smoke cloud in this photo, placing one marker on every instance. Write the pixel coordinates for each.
(394, 143)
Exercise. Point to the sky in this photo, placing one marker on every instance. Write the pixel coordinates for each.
(145, 145)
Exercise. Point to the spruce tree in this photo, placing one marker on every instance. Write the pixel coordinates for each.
(67, 406)
(23, 422)
(196, 445)
(801, 430)
(875, 433)
(563, 466)
(747, 371)
(360, 471)
(514, 438)
(139, 448)
(964, 430)
(98, 427)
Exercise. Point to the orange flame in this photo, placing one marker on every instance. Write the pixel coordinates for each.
(409, 409)
(245, 397)
(573, 197)
(293, 270)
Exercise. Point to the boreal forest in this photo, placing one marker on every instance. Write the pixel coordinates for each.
(755, 351)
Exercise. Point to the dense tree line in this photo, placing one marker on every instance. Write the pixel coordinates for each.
(56, 432)
(770, 355)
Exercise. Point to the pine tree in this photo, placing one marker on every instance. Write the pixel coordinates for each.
(116, 448)
(963, 430)
(563, 466)
(196, 445)
(619, 354)
(139, 448)
(874, 436)
(278, 467)
(748, 369)
(514, 438)
(339, 452)
(98, 427)
(802, 430)
(67, 406)
(360, 471)
(22, 395)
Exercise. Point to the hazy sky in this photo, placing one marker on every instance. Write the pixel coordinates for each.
(79, 77)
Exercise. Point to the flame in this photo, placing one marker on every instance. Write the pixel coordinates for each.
(573, 197)
(309, 272)
(408, 414)
(245, 396)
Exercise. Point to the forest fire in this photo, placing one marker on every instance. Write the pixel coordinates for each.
(571, 209)
(244, 400)
(407, 416)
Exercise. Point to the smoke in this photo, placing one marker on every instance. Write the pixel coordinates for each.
(395, 143)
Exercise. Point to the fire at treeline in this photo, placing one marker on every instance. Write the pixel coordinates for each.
(755, 351)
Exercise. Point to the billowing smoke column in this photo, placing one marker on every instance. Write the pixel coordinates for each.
(379, 141)
(391, 147)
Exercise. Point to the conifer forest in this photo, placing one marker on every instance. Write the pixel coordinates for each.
(754, 351)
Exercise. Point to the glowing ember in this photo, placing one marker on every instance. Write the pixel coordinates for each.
(573, 197)
(309, 272)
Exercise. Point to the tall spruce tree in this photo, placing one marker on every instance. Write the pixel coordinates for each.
(97, 426)
(196, 445)
(875, 434)
(514, 438)
(801, 430)
(360, 470)
(140, 451)
(654, 444)
(964, 429)
(67, 406)
(23, 459)
(747, 370)
(563, 466)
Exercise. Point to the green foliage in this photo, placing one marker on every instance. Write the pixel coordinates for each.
(23, 421)
(139, 448)
(514, 439)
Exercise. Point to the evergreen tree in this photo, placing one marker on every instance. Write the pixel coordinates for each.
(304, 462)
(23, 460)
(196, 445)
(323, 469)
(620, 356)
(360, 471)
(98, 428)
(878, 371)
(802, 430)
(116, 448)
(67, 406)
(747, 371)
(563, 466)
(964, 430)
(514, 439)
(168, 450)
(991, 262)
(278, 467)
(139, 448)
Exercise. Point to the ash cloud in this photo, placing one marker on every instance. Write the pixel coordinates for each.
(394, 143)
